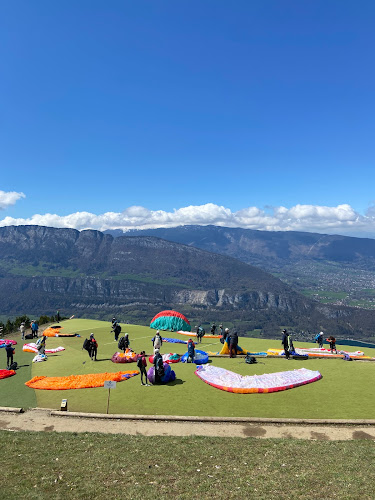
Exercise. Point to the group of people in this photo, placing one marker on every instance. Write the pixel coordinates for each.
(287, 343)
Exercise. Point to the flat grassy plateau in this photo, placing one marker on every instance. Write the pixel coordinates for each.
(345, 391)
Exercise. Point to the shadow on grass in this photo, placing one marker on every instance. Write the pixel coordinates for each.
(176, 381)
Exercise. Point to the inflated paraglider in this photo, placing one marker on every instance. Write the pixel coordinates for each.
(170, 320)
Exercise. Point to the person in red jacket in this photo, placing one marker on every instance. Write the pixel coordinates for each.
(332, 344)
(141, 364)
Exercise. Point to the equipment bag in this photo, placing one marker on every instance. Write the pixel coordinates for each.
(29, 336)
(121, 343)
(250, 359)
(13, 366)
(86, 344)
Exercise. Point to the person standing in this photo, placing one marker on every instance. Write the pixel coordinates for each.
(233, 344)
(93, 350)
(332, 344)
(58, 317)
(141, 364)
(34, 329)
(191, 351)
(126, 342)
(22, 330)
(117, 330)
(158, 366)
(10, 352)
(157, 342)
(213, 329)
(285, 343)
(319, 339)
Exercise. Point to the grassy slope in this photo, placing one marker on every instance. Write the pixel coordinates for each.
(104, 466)
(344, 391)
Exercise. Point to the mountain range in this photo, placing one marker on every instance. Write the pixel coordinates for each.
(91, 274)
(310, 262)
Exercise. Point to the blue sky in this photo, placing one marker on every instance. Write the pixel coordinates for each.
(143, 113)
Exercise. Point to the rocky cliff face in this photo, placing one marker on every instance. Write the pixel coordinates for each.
(89, 273)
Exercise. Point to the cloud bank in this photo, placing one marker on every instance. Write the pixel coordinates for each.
(342, 219)
(9, 198)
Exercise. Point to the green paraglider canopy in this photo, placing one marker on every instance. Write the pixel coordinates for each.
(170, 320)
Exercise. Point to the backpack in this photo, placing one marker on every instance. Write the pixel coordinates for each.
(121, 343)
(86, 345)
(13, 366)
(160, 367)
(250, 359)
(139, 363)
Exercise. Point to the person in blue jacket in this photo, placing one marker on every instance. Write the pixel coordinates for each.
(319, 339)
(191, 351)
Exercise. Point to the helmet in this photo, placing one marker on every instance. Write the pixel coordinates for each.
(226, 330)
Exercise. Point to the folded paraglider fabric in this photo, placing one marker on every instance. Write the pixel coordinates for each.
(5, 342)
(6, 373)
(124, 357)
(32, 347)
(174, 341)
(167, 358)
(206, 336)
(56, 332)
(268, 382)
(200, 357)
(169, 374)
(39, 357)
(78, 381)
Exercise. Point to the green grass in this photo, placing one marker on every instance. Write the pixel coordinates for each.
(343, 392)
(60, 466)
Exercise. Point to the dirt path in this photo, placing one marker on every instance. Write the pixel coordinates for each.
(43, 420)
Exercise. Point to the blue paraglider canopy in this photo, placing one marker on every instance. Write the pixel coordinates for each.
(200, 357)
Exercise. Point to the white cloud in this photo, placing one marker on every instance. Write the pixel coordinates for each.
(342, 219)
(10, 198)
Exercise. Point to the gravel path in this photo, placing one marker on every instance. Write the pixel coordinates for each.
(43, 420)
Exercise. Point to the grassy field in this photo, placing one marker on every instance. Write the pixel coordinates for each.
(100, 466)
(345, 391)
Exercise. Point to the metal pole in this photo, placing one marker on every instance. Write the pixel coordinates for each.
(109, 393)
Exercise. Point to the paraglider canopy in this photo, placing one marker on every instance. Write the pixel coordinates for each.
(170, 320)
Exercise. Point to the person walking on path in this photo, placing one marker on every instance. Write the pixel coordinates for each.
(141, 364)
(285, 343)
(93, 350)
(10, 352)
(233, 344)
